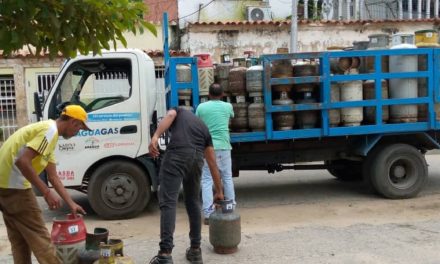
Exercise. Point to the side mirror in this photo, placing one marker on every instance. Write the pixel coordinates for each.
(37, 106)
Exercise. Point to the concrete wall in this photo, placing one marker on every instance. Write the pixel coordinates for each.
(145, 41)
(17, 67)
(221, 10)
(265, 39)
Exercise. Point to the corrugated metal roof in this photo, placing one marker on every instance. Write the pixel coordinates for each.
(305, 22)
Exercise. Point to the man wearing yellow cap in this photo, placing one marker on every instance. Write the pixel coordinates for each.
(23, 156)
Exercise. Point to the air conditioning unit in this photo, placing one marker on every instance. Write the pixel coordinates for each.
(257, 13)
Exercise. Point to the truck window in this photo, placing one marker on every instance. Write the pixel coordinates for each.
(94, 84)
(105, 88)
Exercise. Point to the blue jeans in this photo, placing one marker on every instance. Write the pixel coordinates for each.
(180, 166)
(223, 158)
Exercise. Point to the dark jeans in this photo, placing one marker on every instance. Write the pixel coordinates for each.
(180, 166)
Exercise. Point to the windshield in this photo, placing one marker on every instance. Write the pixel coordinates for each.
(94, 84)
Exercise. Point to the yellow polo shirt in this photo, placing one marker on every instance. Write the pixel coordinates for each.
(41, 137)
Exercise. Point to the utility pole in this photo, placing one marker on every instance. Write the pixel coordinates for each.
(294, 28)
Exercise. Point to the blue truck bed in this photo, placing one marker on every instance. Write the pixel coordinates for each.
(325, 78)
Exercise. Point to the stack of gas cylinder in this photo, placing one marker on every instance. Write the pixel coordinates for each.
(281, 94)
(184, 95)
(237, 89)
(254, 87)
(423, 39)
(242, 82)
(306, 93)
(206, 75)
(402, 87)
(243, 88)
(75, 246)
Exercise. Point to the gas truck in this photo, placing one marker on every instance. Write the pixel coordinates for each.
(366, 115)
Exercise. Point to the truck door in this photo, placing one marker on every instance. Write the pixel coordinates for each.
(108, 90)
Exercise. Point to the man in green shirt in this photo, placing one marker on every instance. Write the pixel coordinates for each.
(216, 115)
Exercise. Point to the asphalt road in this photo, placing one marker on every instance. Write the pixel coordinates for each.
(296, 217)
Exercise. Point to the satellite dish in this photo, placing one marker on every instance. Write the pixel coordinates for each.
(257, 14)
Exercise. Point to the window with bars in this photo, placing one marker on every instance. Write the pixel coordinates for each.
(44, 83)
(8, 108)
(7, 97)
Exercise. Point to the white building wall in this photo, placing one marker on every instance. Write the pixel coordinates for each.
(227, 10)
(265, 39)
(145, 41)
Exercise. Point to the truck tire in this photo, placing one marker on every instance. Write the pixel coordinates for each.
(119, 190)
(367, 166)
(345, 170)
(398, 171)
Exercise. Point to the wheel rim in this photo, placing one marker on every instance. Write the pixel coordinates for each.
(402, 173)
(119, 191)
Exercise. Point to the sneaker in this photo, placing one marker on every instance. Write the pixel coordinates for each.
(194, 255)
(162, 259)
(206, 221)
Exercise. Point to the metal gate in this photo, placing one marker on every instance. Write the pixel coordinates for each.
(44, 83)
(8, 110)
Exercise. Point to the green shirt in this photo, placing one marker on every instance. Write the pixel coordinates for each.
(216, 114)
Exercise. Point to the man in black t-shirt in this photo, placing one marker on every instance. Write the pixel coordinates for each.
(182, 163)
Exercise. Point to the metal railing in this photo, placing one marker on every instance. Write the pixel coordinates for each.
(8, 110)
(368, 9)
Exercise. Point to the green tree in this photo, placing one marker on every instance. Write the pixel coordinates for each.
(68, 26)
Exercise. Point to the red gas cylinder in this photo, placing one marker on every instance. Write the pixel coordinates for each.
(204, 60)
(205, 73)
(69, 235)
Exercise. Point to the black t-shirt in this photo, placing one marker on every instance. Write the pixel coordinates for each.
(188, 131)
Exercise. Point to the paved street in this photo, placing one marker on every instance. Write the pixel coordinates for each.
(297, 217)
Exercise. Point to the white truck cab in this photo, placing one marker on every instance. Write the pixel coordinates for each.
(109, 163)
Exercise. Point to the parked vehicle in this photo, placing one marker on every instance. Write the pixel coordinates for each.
(375, 125)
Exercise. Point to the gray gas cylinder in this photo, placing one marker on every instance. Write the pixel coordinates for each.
(361, 45)
(351, 91)
(334, 115)
(422, 86)
(407, 87)
(283, 120)
(282, 69)
(254, 80)
(183, 75)
(256, 115)
(222, 71)
(237, 81)
(306, 119)
(225, 228)
(369, 92)
(301, 70)
(239, 123)
(377, 41)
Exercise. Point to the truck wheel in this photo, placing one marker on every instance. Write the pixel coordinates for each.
(399, 171)
(119, 190)
(345, 170)
(367, 167)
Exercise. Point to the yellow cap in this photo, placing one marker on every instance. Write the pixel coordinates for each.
(76, 112)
